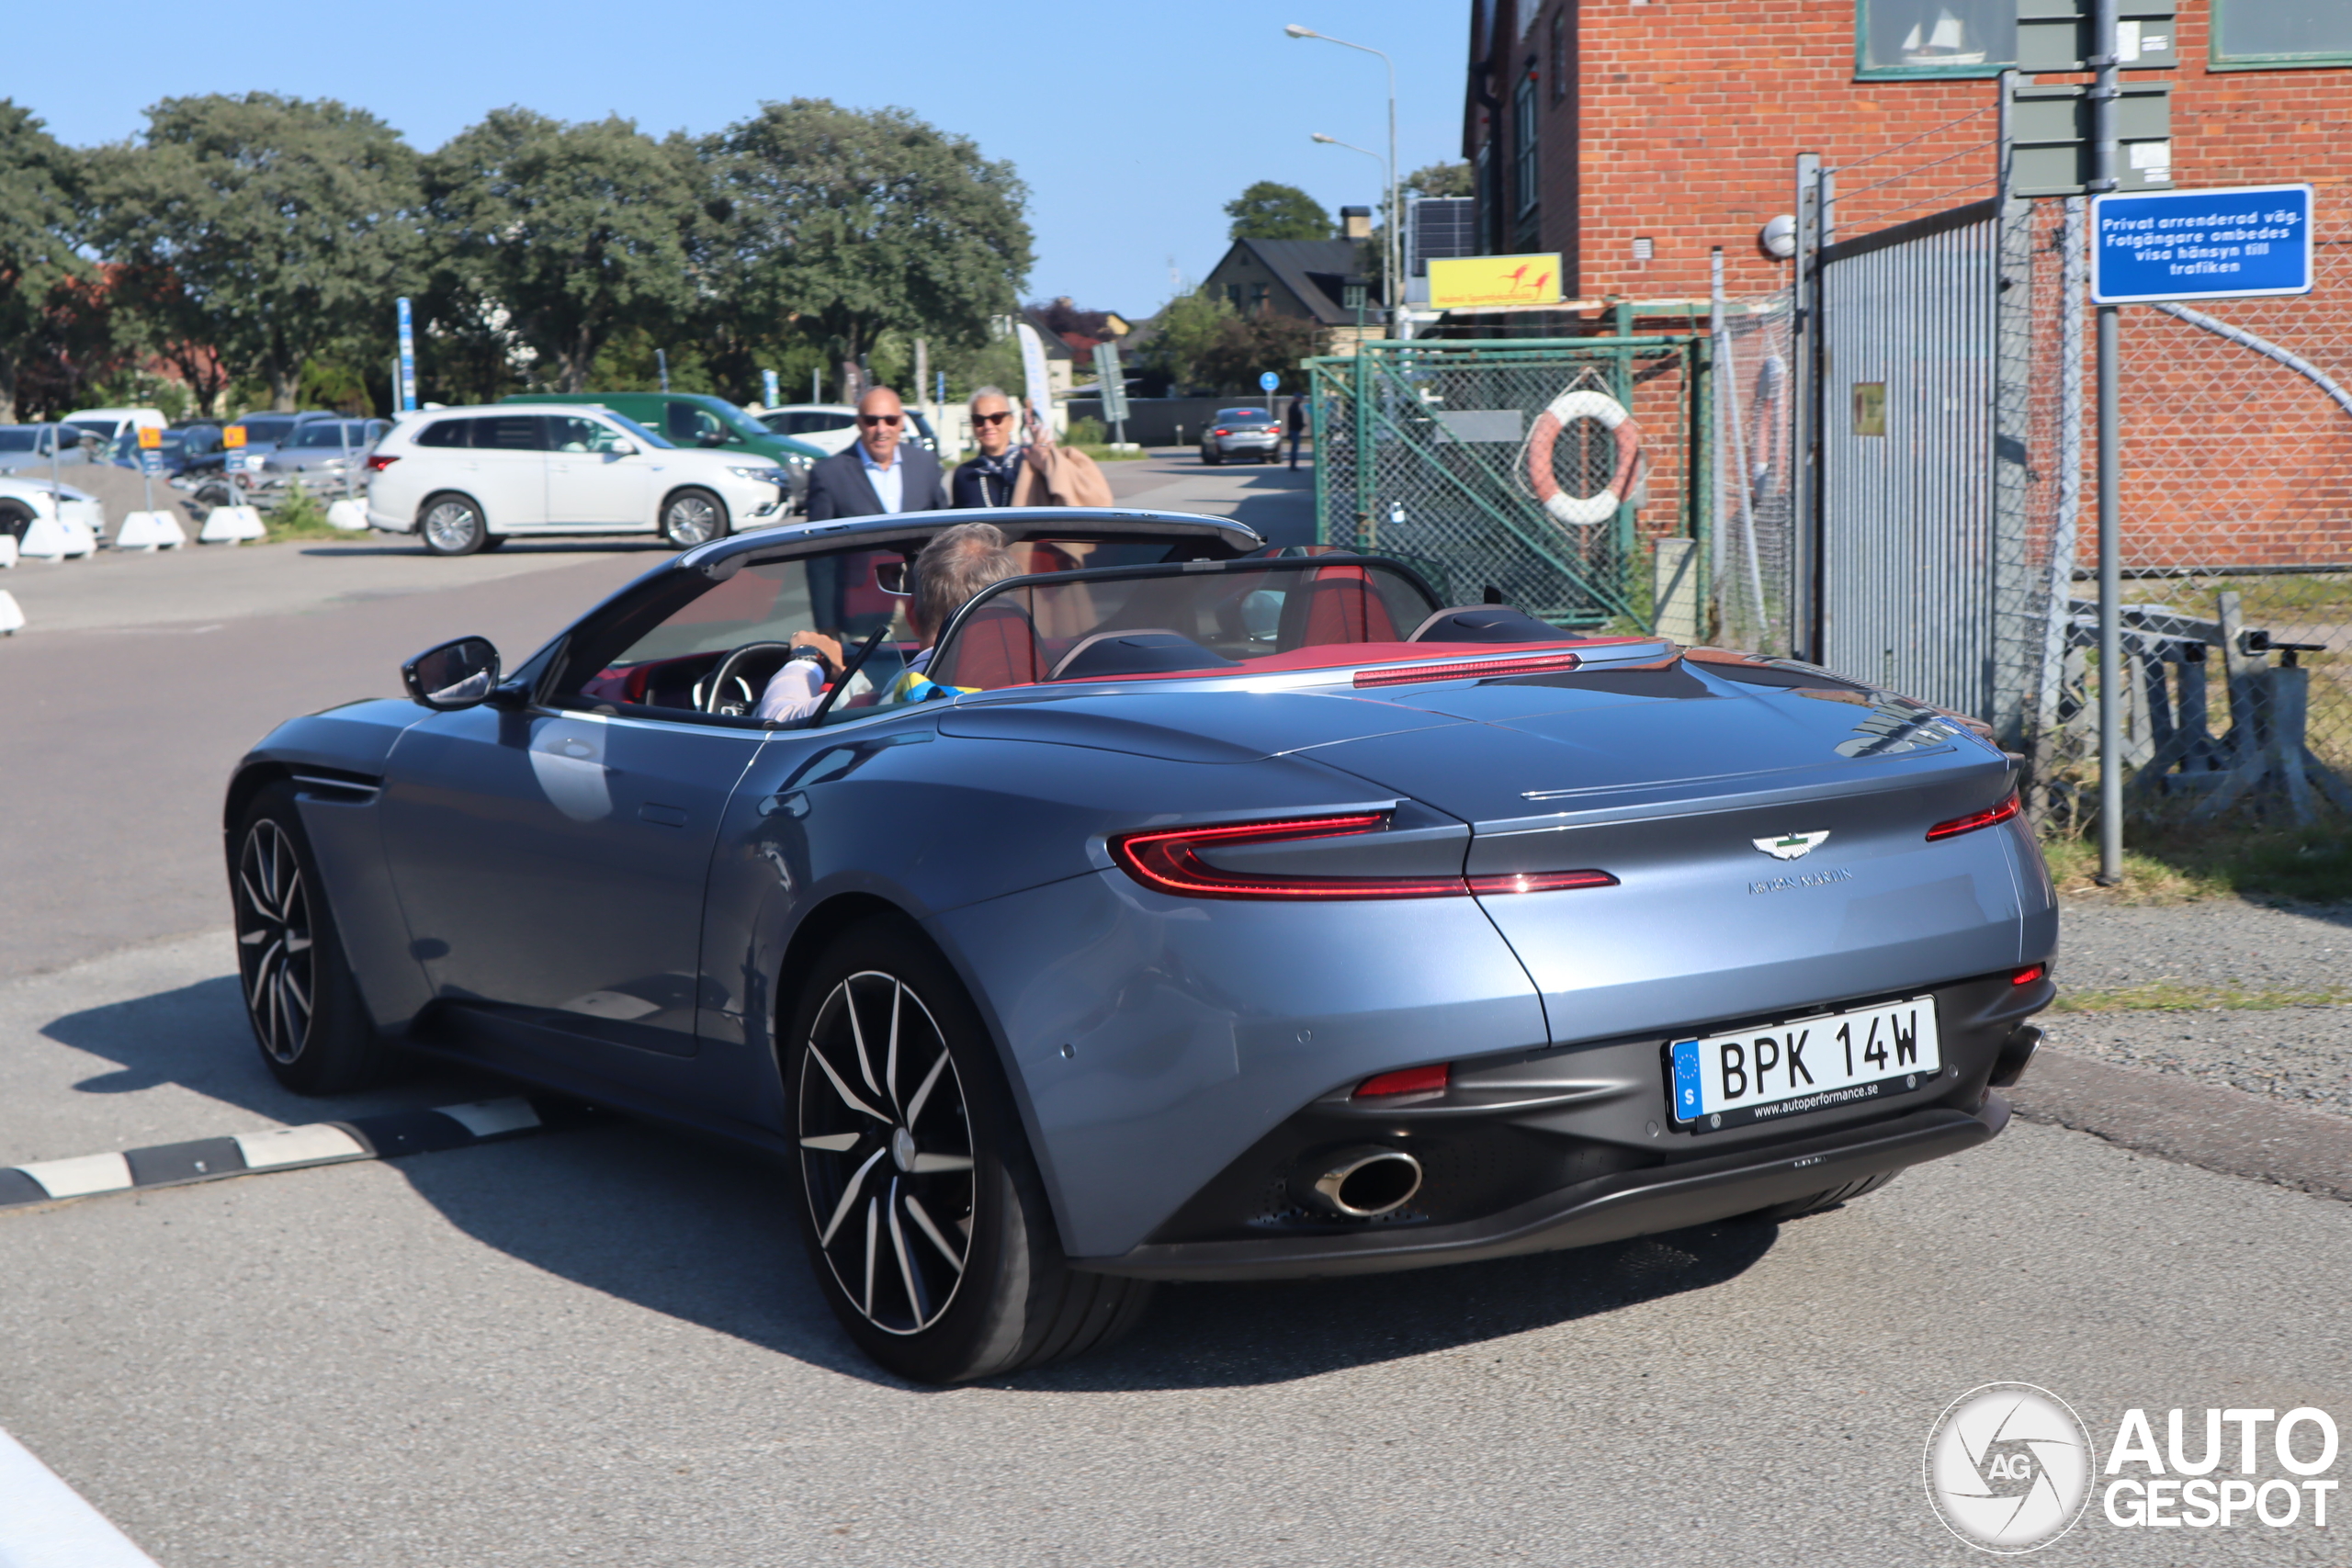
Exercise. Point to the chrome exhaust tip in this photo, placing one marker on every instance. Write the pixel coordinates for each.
(1361, 1183)
(2016, 1052)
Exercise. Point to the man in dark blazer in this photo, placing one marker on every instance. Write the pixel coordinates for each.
(877, 474)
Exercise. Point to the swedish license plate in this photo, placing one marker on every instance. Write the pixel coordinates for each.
(1808, 1064)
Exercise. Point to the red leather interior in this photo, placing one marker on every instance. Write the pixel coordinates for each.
(996, 646)
(1341, 606)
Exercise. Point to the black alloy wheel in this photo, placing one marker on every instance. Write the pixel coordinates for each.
(452, 525)
(306, 1012)
(693, 517)
(922, 1210)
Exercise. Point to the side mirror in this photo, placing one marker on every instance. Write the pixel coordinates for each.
(713, 439)
(891, 578)
(622, 448)
(455, 675)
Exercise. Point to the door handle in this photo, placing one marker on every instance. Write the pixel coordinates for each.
(667, 816)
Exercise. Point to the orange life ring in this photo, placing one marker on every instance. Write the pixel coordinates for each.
(1583, 510)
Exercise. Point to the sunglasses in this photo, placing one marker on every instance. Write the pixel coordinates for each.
(992, 418)
(881, 419)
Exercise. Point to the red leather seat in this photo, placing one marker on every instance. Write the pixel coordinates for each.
(998, 647)
(1339, 604)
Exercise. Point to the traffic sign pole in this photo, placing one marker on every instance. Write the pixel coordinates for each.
(2104, 93)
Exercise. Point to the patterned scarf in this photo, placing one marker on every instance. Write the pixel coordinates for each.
(997, 471)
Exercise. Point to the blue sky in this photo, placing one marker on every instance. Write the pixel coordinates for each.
(1133, 124)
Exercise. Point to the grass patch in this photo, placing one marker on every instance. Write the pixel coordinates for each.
(2166, 862)
(2172, 996)
(300, 515)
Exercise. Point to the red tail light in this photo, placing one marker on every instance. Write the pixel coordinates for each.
(1167, 860)
(1975, 819)
(377, 462)
(1220, 432)
(1456, 670)
(1411, 1080)
(2029, 975)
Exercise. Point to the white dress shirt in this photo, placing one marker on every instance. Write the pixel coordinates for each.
(889, 483)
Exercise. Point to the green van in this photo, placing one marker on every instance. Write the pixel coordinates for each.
(697, 419)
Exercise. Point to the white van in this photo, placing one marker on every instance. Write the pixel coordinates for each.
(469, 479)
(107, 423)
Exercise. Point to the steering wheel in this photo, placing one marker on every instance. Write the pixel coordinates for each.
(729, 688)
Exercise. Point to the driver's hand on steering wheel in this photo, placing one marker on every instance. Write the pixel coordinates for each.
(827, 646)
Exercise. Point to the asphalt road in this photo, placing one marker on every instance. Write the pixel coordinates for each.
(601, 1346)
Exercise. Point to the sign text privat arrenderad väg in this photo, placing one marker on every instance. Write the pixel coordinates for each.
(2191, 244)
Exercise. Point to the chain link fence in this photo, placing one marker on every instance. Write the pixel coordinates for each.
(1553, 474)
(1753, 558)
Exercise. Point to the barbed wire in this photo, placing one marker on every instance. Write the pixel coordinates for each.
(1923, 136)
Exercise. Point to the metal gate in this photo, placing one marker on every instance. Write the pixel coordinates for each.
(1905, 406)
(1557, 473)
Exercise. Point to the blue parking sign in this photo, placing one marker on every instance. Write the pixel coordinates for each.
(2201, 245)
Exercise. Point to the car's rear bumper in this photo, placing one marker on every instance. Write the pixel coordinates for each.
(1609, 1208)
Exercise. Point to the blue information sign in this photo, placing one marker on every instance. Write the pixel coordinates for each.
(2201, 245)
(1267, 381)
(408, 358)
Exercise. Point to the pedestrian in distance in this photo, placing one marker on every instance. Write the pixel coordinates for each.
(1296, 423)
(1041, 473)
(877, 474)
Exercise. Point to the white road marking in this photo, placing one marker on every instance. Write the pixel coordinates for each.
(80, 1176)
(297, 1146)
(46, 1524)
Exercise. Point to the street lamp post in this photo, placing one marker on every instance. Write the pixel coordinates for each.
(1335, 142)
(1395, 207)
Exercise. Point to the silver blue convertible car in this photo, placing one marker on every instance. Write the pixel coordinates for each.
(1183, 909)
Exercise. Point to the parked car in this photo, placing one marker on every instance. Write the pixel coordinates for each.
(184, 450)
(696, 420)
(1196, 913)
(466, 479)
(37, 446)
(831, 427)
(24, 497)
(107, 423)
(1242, 433)
(324, 453)
(264, 433)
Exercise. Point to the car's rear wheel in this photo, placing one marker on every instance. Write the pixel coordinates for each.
(452, 525)
(1208, 458)
(305, 1009)
(15, 518)
(1798, 1208)
(924, 1214)
(693, 517)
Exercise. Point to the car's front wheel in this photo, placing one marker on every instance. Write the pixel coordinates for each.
(924, 1214)
(693, 517)
(306, 1016)
(452, 525)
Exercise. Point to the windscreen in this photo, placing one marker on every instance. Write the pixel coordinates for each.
(337, 433)
(262, 430)
(1233, 617)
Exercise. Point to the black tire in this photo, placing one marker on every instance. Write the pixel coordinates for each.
(868, 1125)
(1207, 459)
(15, 518)
(693, 516)
(1798, 1208)
(308, 1019)
(491, 541)
(451, 526)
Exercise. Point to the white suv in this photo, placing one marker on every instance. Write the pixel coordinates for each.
(468, 478)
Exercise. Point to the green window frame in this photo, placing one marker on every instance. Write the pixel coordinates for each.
(2002, 15)
(2216, 59)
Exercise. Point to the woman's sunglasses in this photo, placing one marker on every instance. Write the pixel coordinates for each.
(992, 418)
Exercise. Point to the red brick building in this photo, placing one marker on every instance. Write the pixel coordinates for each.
(1632, 136)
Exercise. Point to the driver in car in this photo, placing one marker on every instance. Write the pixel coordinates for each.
(957, 563)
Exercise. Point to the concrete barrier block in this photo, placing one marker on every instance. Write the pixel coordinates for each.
(231, 526)
(12, 618)
(7, 551)
(349, 515)
(51, 539)
(150, 531)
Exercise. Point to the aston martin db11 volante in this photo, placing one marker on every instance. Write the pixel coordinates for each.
(1188, 909)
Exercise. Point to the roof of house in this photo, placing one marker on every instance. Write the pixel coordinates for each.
(1315, 271)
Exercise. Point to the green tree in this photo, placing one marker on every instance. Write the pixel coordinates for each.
(1440, 179)
(840, 225)
(557, 237)
(265, 229)
(39, 270)
(1183, 334)
(1269, 210)
(1244, 346)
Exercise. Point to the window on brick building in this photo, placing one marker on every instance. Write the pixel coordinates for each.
(1559, 54)
(2274, 35)
(1522, 148)
(1934, 37)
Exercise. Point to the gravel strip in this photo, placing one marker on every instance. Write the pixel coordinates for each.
(2212, 941)
(2301, 1055)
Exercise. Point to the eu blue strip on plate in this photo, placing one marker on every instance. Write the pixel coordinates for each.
(1686, 1079)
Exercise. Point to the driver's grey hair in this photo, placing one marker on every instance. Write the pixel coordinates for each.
(956, 564)
(989, 392)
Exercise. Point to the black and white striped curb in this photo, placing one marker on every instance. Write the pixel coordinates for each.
(388, 1137)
